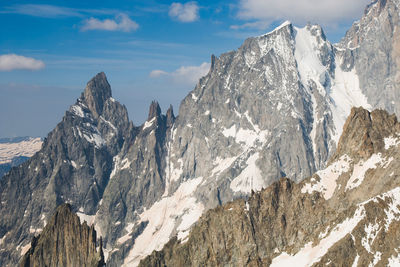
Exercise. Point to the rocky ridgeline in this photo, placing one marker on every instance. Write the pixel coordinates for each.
(65, 242)
(347, 214)
(273, 108)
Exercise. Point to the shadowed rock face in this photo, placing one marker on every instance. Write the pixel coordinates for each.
(65, 242)
(97, 91)
(291, 225)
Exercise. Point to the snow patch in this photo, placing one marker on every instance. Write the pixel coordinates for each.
(77, 110)
(250, 178)
(25, 248)
(360, 169)
(327, 178)
(309, 255)
(148, 124)
(163, 218)
(371, 231)
(194, 97)
(394, 261)
(26, 148)
(391, 141)
(284, 24)
(222, 164)
(96, 139)
(345, 94)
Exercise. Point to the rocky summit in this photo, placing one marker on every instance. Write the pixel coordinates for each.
(273, 108)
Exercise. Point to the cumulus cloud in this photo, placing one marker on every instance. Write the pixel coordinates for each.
(10, 62)
(188, 12)
(122, 22)
(187, 75)
(300, 11)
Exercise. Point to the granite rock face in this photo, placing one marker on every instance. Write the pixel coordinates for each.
(273, 108)
(65, 242)
(73, 166)
(346, 214)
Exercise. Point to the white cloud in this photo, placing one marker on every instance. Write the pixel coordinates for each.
(300, 11)
(122, 22)
(187, 75)
(157, 73)
(187, 12)
(10, 62)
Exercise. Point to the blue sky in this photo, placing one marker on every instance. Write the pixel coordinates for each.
(148, 49)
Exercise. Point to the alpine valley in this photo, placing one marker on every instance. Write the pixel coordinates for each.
(205, 188)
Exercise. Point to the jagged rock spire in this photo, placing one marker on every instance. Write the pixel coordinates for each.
(154, 110)
(97, 91)
(170, 116)
(65, 242)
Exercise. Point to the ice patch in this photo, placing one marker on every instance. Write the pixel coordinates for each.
(307, 58)
(345, 94)
(327, 183)
(250, 178)
(162, 219)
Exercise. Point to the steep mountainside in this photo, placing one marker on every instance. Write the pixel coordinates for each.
(73, 166)
(14, 151)
(347, 214)
(273, 108)
(64, 242)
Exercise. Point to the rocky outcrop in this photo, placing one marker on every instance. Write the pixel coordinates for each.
(65, 242)
(328, 218)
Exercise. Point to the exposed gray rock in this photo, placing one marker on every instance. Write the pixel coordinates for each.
(275, 107)
(291, 224)
(73, 166)
(65, 242)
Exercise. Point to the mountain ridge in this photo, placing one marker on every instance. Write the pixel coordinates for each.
(275, 107)
(288, 224)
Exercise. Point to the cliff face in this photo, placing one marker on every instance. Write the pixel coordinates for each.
(348, 213)
(65, 242)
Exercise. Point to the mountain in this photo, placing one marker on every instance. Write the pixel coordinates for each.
(346, 214)
(273, 108)
(14, 151)
(64, 242)
(73, 166)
